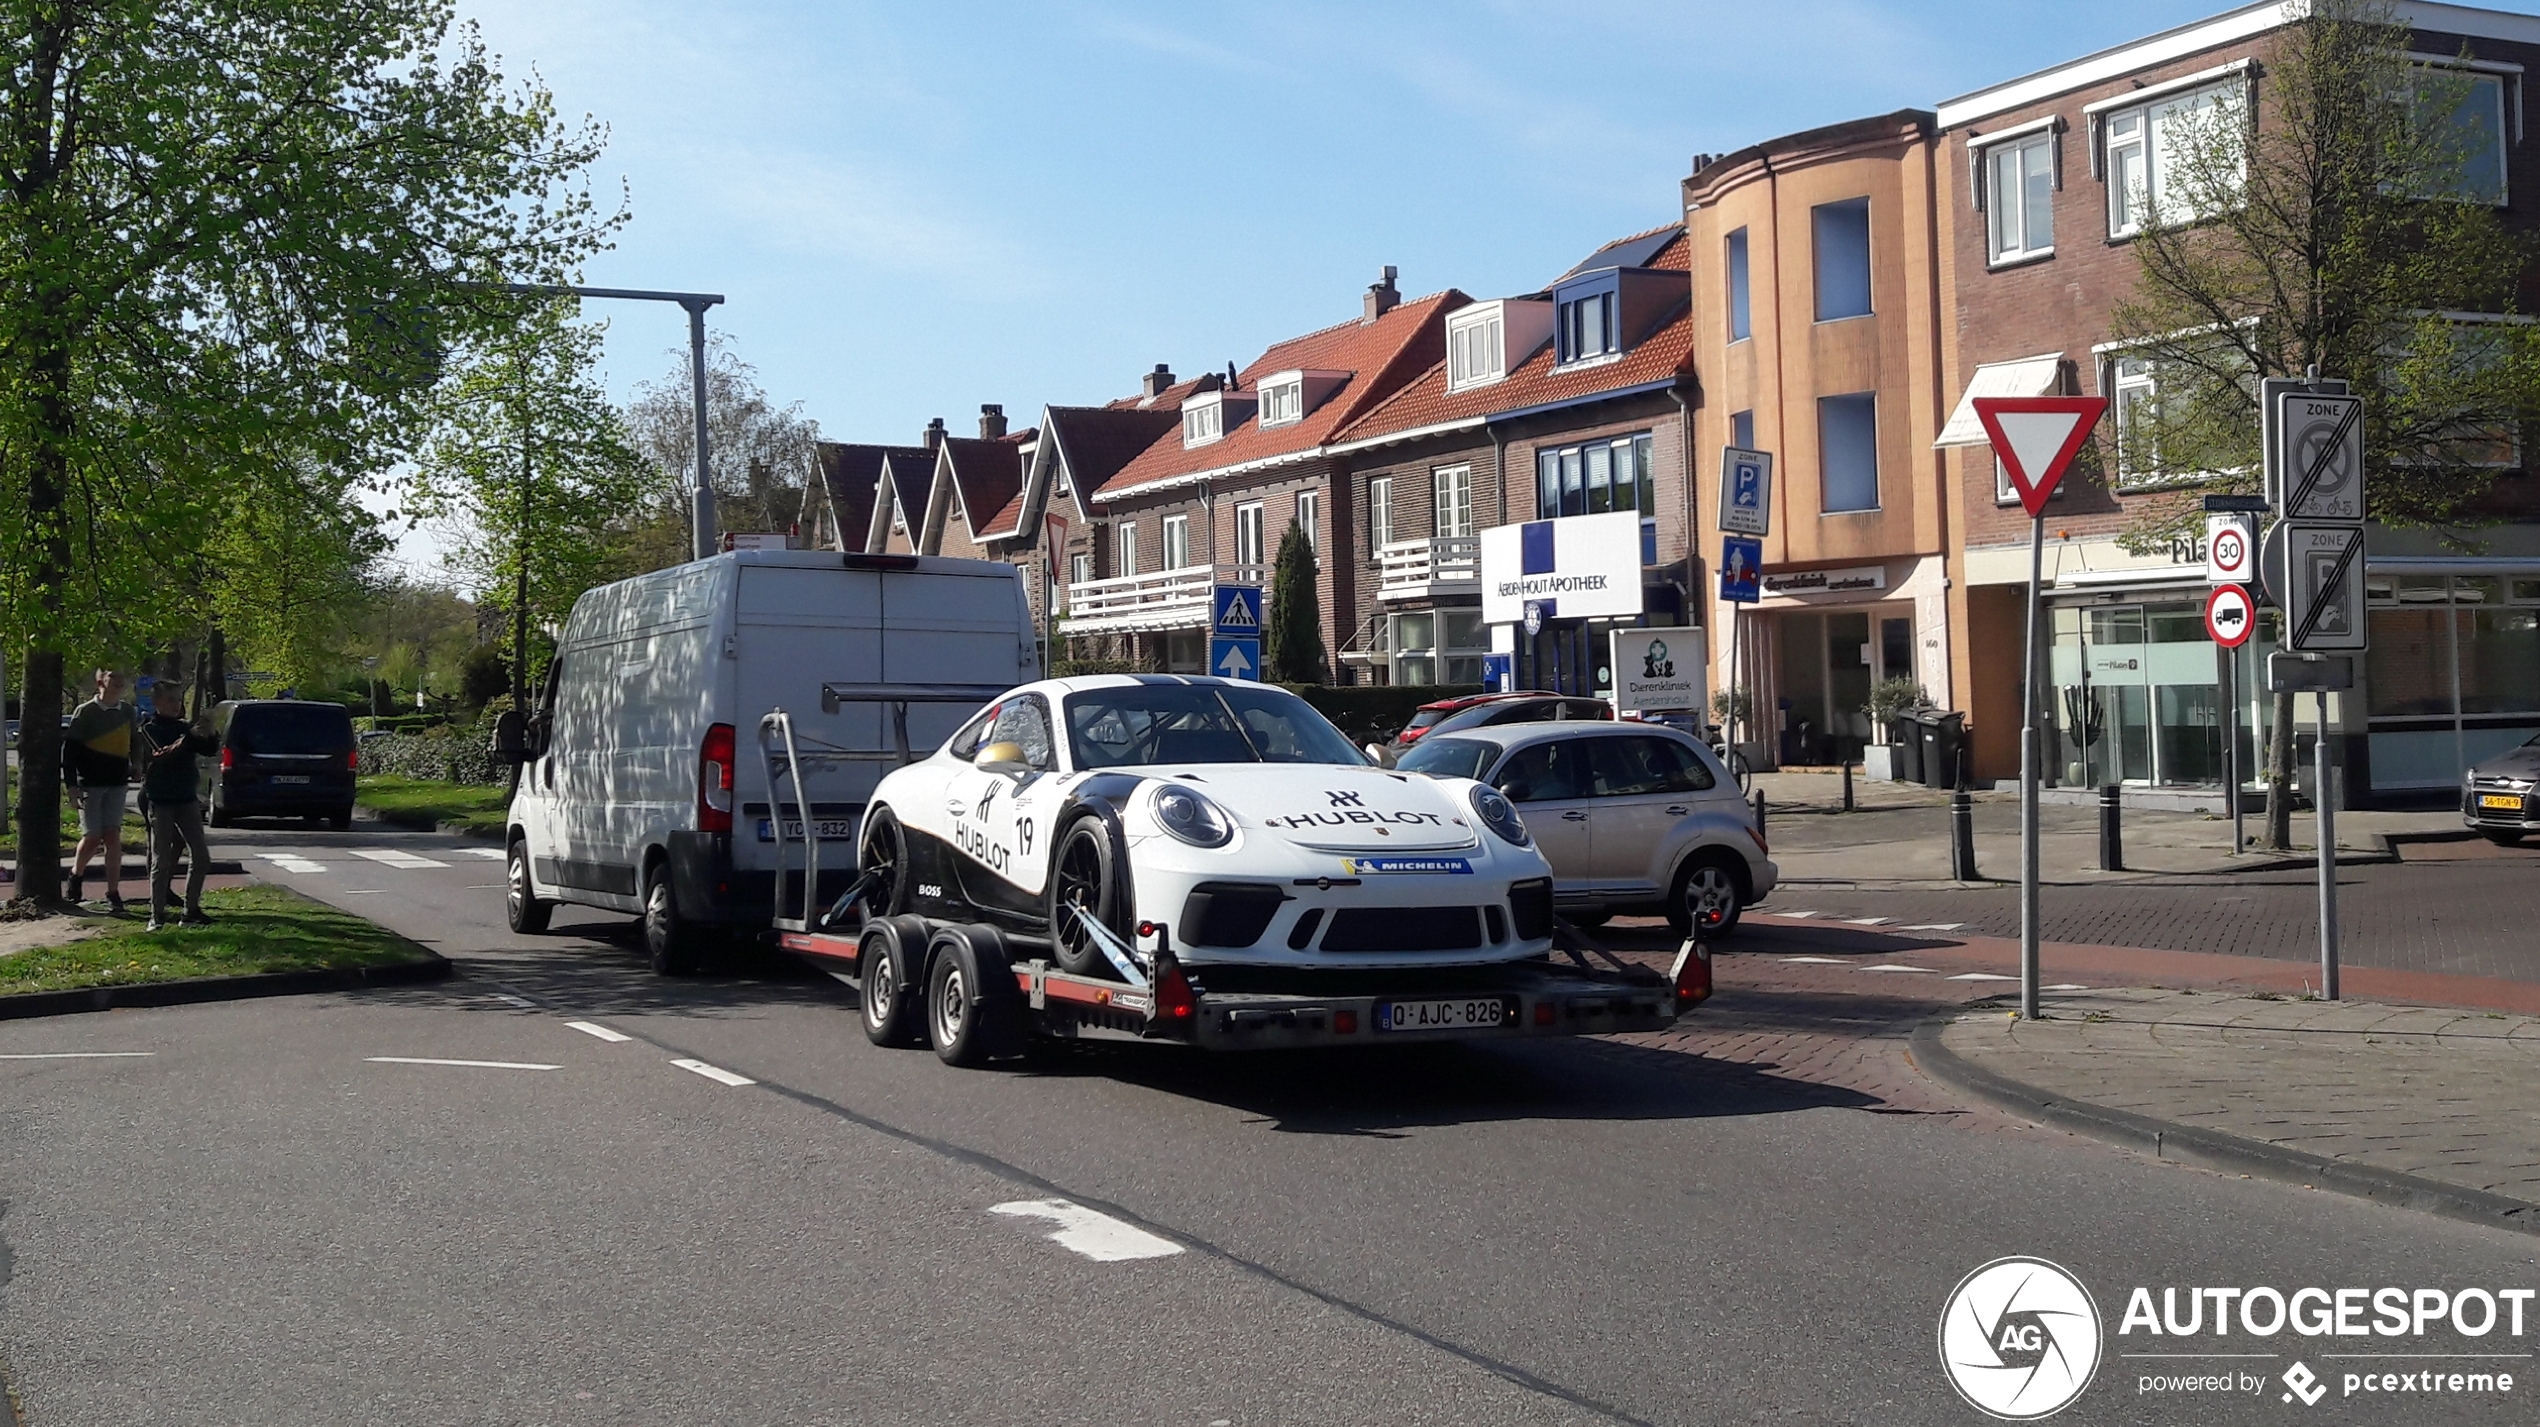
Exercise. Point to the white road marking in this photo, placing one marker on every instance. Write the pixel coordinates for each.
(1818, 960)
(1866, 921)
(362, 892)
(484, 886)
(2065, 986)
(78, 1055)
(490, 854)
(1090, 1232)
(1982, 976)
(1933, 927)
(473, 1064)
(1800, 915)
(589, 1028)
(393, 858)
(515, 1000)
(1892, 966)
(714, 1072)
(289, 862)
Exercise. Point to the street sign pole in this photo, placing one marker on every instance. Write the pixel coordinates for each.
(2028, 777)
(2324, 800)
(2233, 777)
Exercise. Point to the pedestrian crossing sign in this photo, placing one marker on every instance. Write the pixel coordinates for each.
(1236, 610)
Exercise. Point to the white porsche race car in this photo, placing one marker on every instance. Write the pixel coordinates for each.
(1230, 817)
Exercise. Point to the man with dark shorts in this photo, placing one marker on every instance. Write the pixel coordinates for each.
(169, 748)
(97, 762)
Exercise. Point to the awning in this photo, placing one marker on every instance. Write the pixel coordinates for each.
(2029, 376)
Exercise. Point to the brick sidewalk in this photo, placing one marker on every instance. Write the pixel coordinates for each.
(2432, 1095)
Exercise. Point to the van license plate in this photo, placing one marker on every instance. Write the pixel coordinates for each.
(291, 777)
(2502, 802)
(1463, 1013)
(831, 830)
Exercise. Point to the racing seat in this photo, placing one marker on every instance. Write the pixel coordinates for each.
(1202, 745)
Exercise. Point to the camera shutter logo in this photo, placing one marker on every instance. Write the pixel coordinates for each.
(2020, 1339)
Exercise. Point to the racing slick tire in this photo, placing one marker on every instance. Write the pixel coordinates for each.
(883, 846)
(1084, 874)
(972, 1011)
(890, 967)
(1708, 890)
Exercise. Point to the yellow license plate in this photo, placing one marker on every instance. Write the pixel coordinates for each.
(2508, 801)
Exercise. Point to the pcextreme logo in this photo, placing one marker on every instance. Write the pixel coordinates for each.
(2019, 1339)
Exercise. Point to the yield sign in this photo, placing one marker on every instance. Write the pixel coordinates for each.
(2035, 437)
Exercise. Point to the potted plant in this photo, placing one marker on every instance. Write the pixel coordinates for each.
(1888, 699)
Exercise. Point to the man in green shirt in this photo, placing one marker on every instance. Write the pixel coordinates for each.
(97, 763)
(169, 749)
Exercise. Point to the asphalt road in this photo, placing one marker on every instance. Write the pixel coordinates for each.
(245, 1216)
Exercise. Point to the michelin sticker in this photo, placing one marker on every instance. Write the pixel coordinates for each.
(1377, 866)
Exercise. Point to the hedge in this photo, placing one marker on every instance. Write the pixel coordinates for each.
(445, 755)
(1374, 712)
(400, 723)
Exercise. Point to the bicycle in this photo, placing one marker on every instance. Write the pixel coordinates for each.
(1735, 761)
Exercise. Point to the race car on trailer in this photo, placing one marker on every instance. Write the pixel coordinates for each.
(1158, 856)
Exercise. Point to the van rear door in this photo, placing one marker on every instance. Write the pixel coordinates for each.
(799, 628)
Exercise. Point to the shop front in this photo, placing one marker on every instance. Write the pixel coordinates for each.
(1812, 648)
(2138, 690)
(1553, 591)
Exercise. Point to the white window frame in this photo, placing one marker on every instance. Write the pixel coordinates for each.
(1248, 535)
(1124, 549)
(1080, 568)
(1452, 493)
(1203, 421)
(1283, 401)
(2508, 78)
(1379, 512)
(1309, 517)
(1476, 349)
(2129, 127)
(2106, 355)
(1177, 542)
(1995, 199)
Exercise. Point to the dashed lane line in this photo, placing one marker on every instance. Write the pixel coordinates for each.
(470, 1064)
(1933, 927)
(1892, 966)
(1091, 1232)
(1866, 921)
(1982, 976)
(1817, 960)
(593, 1028)
(714, 1072)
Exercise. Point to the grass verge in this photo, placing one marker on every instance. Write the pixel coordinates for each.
(255, 930)
(475, 809)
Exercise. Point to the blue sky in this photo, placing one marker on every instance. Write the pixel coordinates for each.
(916, 208)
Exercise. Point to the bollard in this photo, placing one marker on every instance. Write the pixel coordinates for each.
(1759, 812)
(1847, 785)
(1962, 836)
(2111, 830)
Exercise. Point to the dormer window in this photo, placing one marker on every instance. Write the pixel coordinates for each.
(1283, 399)
(1203, 420)
(1487, 340)
(1590, 320)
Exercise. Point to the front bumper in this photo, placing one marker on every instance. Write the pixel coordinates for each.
(1298, 908)
(2523, 816)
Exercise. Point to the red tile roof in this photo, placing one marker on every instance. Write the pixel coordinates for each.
(1378, 355)
(1664, 354)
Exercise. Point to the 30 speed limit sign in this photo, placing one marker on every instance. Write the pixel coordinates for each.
(2230, 616)
(2231, 550)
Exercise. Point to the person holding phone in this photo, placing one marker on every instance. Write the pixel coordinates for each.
(170, 747)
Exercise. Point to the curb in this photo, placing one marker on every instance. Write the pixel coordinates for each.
(220, 988)
(2210, 1149)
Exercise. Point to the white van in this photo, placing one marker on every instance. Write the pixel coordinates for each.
(642, 789)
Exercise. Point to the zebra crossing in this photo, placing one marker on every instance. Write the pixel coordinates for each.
(1893, 968)
(300, 863)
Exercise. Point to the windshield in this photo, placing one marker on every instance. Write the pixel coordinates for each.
(1199, 723)
(1448, 757)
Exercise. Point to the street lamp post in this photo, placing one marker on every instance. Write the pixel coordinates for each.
(702, 498)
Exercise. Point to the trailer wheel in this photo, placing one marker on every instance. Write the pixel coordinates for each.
(890, 965)
(883, 850)
(1083, 876)
(972, 1013)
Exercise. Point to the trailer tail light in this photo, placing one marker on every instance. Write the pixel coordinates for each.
(714, 780)
(1345, 1023)
(1692, 974)
(1544, 1013)
(1174, 999)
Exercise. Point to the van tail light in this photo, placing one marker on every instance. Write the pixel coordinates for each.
(352, 760)
(228, 756)
(714, 780)
(1692, 974)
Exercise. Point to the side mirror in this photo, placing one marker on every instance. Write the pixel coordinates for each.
(1006, 758)
(511, 738)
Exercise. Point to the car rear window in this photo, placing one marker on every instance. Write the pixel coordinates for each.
(291, 728)
(1448, 758)
(1425, 717)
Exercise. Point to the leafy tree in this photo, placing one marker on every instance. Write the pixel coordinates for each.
(229, 227)
(529, 463)
(761, 455)
(1292, 632)
(286, 570)
(483, 677)
(2341, 229)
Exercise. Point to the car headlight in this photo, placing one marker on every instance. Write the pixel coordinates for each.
(1499, 815)
(1192, 818)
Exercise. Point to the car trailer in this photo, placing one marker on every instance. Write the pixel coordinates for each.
(975, 992)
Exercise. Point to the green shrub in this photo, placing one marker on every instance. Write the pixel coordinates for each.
(442, 755)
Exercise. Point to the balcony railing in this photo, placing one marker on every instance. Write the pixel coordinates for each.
(1167, 599)
(1420, 569)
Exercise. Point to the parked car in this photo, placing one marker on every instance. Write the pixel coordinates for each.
(1486, 711)
(281, 758)
(644, 787)
(2500, 797)
(1231, 814)
(1634, 818)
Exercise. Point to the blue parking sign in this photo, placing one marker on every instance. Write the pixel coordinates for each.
(1746, 491)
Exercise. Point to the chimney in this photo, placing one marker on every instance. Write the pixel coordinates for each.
(1382, 296)
(935, 434)
(991, 421)
(1158, 381)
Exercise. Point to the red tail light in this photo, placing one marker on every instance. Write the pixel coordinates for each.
(1693, 975)
(714, 780)
(352, 760)
(228, 756)
(1174, 999)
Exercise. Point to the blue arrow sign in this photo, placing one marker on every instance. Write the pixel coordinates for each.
(1235, 658)
(1236, 610)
